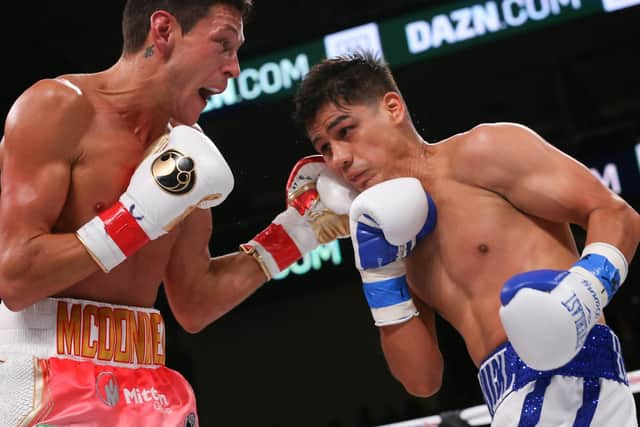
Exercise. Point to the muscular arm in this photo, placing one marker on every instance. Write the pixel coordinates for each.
(1, 153)
(412, 352)
(542, 181)
(1, 161)
(40, 144)
(201, 289)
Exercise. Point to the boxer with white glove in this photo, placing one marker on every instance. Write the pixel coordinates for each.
(185, 170)
(551, 309)
(318, 203)
(386, 221)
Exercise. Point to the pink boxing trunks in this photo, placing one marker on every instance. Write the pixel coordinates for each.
(66, 362)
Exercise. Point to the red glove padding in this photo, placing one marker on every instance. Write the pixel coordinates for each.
(307, 222)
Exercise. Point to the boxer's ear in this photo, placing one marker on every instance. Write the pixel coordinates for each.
(162, 31)
(393, 105)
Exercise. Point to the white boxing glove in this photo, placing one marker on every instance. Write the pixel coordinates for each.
(547, 314)
(185, 170)
(386, 221)
(317, 206)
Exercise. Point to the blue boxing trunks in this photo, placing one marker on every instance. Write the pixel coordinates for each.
(589, 391)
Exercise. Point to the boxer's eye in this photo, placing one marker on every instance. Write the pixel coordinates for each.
(324, 149)
(344, 131)
(224, 44)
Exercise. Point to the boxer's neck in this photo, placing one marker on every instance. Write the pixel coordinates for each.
(136, 92)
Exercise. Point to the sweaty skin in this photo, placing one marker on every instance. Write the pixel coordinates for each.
(98, 161)
(480, 241)
(505, 199)
(69, 149)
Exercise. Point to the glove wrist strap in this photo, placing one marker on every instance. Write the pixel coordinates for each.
(612, 254)
(274, 249)
(394, 315)
(606, 263)
(390, 301)
(282, 243)
(100, 246)
(250, 250)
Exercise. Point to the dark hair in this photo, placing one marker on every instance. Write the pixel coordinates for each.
(135, 18)
(356, 78)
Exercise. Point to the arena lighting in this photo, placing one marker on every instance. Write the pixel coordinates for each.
(613, 5)
(406, 39)
(314, 260)
(618, 170)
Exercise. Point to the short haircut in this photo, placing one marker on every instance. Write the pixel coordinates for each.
(136, 24)
(355, 78)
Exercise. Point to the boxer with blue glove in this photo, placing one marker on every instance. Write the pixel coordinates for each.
(557, 309)
(506, 201)
(386, 221)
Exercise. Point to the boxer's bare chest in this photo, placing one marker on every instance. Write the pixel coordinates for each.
(462, 255)
(107, 158)
(480, 240)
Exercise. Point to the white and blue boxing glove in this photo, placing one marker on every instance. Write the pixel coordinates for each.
(386, 221)
(547, 314)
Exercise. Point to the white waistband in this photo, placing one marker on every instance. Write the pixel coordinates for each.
(85, 330)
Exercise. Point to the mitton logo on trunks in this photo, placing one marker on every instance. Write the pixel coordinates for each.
(174, 172)
(108, 391)
(107, 388)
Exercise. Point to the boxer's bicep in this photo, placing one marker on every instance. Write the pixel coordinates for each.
(33, 192)
(560, 189)
(1, 161)
(1, 153)
(37, 159)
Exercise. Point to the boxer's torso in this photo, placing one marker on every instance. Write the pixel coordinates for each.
(104, 157)
(479, 242)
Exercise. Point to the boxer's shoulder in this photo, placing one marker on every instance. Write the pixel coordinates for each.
(455, 158)
(479, 156)
(50, 110)
(60, 93)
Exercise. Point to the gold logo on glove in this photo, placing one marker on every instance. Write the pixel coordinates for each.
(174, 172)
(329, 226)
(326, 224)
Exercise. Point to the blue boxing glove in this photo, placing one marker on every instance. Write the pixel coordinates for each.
(547, 314)
(386, 220)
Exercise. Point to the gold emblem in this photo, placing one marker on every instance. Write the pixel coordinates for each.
(174, 172)
(329, 226)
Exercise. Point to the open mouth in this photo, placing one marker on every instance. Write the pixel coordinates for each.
(207, 92)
